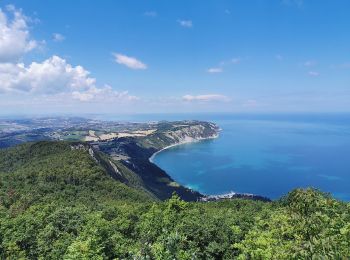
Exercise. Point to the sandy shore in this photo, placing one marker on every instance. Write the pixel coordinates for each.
(180, 143)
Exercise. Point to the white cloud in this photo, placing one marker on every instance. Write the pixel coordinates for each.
(222, 64)
(53, 80)
(231, 61)
(313, 73)
(130, 62)
(185, 23)
(56, 77)
(51, 76)
(57, 37)
(215, 70)
(150, 13)
(206, 98)
(15, 38)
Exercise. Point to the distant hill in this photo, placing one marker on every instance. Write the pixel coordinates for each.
(61, 200)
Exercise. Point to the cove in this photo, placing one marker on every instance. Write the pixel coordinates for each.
(266, 155)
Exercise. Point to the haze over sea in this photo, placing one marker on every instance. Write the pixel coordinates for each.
(267, 155)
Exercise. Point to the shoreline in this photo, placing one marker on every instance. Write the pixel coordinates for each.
(234, 195)
(150, 159)
(205, 197)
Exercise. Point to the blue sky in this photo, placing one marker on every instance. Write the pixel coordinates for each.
(174, 56)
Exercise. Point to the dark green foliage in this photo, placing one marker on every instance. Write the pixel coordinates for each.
(306, 225)
(48, 195)
(58, 203)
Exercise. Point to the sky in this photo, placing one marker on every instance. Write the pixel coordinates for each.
(183, 56)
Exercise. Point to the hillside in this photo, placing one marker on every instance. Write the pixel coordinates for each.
(37, 170)
(122, 148)
(58, 202)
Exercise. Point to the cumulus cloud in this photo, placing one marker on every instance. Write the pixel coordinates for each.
(53, 79)
(51, 76)
(57, 37)
(55, 76)
(215, 70)
(130, 62)
(185, 23)
(206, 98)
(14, 34)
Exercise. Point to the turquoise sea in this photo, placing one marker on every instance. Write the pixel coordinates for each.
(267, 155)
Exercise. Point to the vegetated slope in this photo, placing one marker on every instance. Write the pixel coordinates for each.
(44, 169)
(139, 172)
(125, 154)
(59, 203)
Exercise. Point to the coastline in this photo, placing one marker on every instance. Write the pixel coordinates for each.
(150, 159)
(207, 198)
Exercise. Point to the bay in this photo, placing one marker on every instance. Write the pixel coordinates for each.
(268, 155)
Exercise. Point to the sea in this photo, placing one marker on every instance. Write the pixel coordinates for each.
(262, 154)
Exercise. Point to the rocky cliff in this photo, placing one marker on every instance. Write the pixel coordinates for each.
(136, 151)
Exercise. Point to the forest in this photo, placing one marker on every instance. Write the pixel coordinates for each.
(59, 203)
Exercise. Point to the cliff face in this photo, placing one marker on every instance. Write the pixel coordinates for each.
(137, 151)
(177, 133)
(193, 133)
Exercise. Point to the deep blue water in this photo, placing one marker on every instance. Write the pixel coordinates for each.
(267, 155)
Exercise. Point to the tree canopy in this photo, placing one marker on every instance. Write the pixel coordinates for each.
(58, 203)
